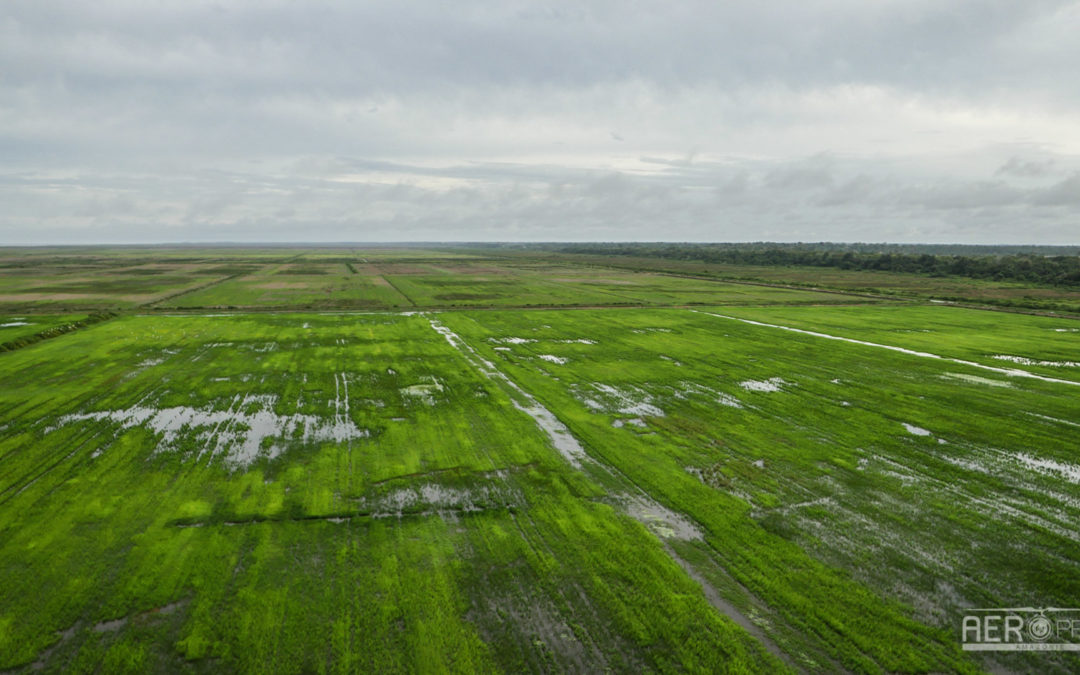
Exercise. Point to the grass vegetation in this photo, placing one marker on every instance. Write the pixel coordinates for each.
(1038, 344)
(14, 328)
(348, 280)
(412, 525)
(816, 493)
(632, 477)
(952, 288)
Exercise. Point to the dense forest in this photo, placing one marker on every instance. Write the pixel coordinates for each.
(1055, 265)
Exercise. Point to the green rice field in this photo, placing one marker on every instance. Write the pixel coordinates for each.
(399, 460)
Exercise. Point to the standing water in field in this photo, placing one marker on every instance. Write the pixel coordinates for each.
(237, 434)
(917, 431)
(1024, 361)
(624, 400)
(769, 385)
(560, 436)
(637, 503)
(423, 392)
(663, 522)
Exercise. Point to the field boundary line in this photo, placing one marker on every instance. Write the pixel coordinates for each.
(386, 278)
(788, 287)
(211, 284)
(1010, 372)
(177, 294)
(56, 331)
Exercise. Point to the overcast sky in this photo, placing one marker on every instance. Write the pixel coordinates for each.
(802, 120)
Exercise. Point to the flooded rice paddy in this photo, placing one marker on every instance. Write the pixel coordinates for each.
(690, 486)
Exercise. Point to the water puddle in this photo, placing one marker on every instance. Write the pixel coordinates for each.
(561, 438)
(1070, 472)
(1024, 361)
(626, 400)
(246, 431)
(424, 392)
(914, 430)
(662, 521)
(975, 379)
(1055, 419)
(686, 389)
(436, 498)
(769, 385)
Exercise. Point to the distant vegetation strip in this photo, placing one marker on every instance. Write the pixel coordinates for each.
(1058, 266)
(55, 331)
(193, 289)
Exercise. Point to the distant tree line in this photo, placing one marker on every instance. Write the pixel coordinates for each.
(1059, 265)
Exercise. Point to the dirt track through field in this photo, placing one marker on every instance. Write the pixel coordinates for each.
(636, 502)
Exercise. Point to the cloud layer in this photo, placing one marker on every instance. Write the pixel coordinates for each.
(305, 121)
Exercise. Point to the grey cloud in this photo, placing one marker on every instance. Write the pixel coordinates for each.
(1027, 168)
(686, 161)
(956, 196)
(573, 205)
(185, 120)
(856, 190)
(1064, 193)
(809, 176)
(394, 47)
